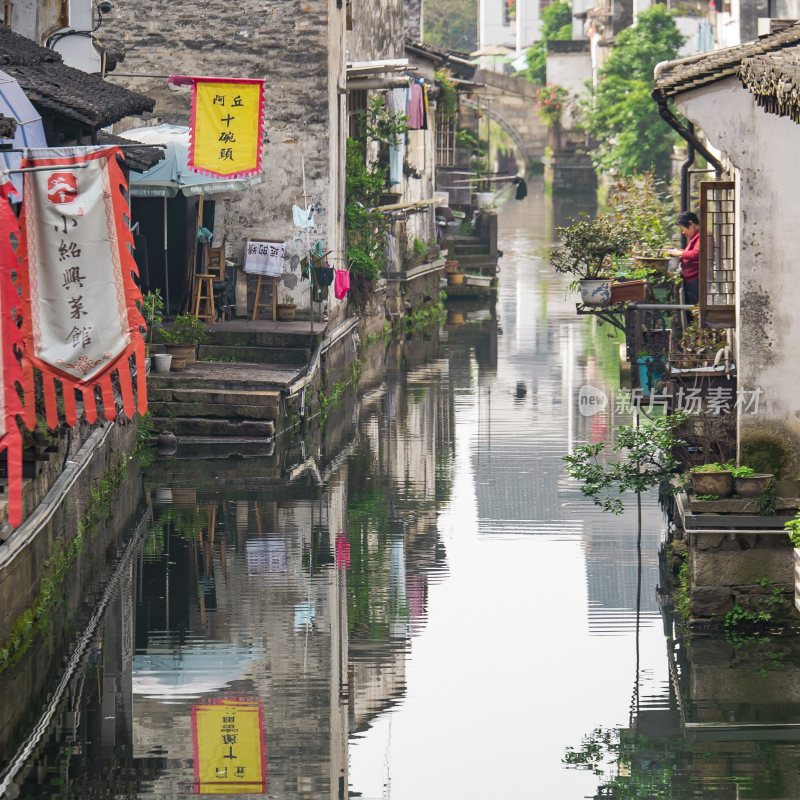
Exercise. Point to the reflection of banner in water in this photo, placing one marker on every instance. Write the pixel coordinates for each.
(10, 341)
(230, 751)
(81, 321)
(266, 555)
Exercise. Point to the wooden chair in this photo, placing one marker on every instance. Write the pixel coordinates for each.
(213, 270)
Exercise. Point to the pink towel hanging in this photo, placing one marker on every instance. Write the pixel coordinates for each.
(341, 283)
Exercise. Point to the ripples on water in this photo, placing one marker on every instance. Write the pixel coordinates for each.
(420, 605)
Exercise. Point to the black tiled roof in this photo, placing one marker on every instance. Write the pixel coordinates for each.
(774, 79)
(138, 159)
(700, 70)
(58, 89)
(8, 126)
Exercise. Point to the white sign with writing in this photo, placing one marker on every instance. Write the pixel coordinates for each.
(265, 258)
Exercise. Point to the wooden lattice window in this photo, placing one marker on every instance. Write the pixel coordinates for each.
(446, 141)
(717, 254)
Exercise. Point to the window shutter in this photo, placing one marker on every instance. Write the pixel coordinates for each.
(717, 254)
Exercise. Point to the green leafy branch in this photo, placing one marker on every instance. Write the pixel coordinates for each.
(647, 461)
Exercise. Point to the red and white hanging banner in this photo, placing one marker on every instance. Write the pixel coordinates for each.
(10, 350)
(78, 280)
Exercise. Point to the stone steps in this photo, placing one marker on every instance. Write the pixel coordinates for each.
(253, 354)
(214, 404)
(464, 250)
(475, 259)
(219, 337)
(199, 426)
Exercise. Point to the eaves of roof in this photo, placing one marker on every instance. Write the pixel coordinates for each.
(683, 75)
(774, 80)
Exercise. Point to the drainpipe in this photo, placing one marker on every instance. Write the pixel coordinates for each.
(686, 188)
(666, 113)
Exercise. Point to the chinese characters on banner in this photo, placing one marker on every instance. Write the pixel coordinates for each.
(227, 125)
(264, 258)
(81, 321)
(10, 345)
(230, 752)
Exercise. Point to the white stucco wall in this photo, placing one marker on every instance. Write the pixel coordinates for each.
(518, 34)
(572, 71)
(763, 148)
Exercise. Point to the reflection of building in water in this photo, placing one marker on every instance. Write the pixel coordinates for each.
(400, 472)
(245, 600)
(725, 727)
(522, 416)
(235, 593)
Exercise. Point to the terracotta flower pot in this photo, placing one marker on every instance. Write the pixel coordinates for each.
(187, 351)
(455, 279)
(717, 483)
(628, 291)
(286, 312)
(754, 486)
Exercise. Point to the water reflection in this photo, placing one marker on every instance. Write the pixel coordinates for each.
(414, 603)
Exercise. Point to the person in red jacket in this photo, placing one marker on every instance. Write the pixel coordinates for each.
(689, 225)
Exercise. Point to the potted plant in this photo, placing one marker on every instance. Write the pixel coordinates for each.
(286, 308)
(182, 337)
(712, 479)
(587, 247)
(653, 260)
(749, 483)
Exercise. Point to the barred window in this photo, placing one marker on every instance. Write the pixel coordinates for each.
(717, 254)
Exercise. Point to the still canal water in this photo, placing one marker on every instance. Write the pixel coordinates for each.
(416, 604)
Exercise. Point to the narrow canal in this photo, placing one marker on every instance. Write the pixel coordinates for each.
(416, 604)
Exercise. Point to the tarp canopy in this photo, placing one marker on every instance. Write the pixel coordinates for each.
(30, 133)
(172, 175)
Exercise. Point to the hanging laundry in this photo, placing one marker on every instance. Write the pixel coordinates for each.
(427, 107)
(324, 275)
(341, 284)
(303, 218)
(416, 106)
(397, 104)
(522, 188)
(390, 252)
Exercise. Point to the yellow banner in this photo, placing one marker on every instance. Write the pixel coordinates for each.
(230, 754)
(227, 133)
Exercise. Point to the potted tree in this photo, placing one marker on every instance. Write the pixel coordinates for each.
(587, 247)
(182, 337)
(152, 308)
(286, 308)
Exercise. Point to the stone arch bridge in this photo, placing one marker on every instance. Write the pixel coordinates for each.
(509, 102)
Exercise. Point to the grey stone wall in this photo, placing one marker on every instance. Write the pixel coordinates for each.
(413, 21)
(298, 48)
(745, 570)
(377, 30)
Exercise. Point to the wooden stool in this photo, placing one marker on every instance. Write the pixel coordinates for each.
(272, 303)
(204, 292)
